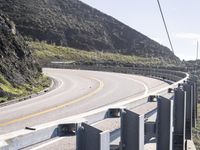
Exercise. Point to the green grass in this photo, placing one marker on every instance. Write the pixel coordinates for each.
(11, 92)
(47, 52)
(7, 87)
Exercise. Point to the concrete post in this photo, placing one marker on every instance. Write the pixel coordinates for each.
(164, 124)
(105, 140)
(90, 138)
(189, 106)
(132, 131)
(179, 119)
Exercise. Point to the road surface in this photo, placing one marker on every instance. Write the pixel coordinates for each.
(76, 92)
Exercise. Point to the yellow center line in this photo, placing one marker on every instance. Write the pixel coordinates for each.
(101, 85)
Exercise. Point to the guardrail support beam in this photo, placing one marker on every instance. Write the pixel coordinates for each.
(164, 124)
(90, 138)
(132, 131)
(194, 112)
(189, 107)
(179, 119)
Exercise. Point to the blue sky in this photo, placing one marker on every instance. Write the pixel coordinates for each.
(182, 17)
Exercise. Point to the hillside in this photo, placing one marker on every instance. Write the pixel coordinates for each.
(47, 53)
(74, 24)
(18, 69)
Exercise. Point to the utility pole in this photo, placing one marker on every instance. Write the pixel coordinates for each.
(197, 54)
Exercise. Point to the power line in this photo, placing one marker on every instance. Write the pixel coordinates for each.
(165, 26)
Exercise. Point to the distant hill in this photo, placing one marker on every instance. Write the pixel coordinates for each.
(74, 24)
(193, 65)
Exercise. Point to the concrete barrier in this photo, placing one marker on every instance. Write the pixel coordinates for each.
(24, 138)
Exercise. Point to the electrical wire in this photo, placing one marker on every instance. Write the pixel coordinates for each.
(165, 26)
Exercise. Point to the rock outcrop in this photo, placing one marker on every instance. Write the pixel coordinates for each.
(16, 62)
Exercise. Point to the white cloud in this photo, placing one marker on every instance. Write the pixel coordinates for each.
(191, 36)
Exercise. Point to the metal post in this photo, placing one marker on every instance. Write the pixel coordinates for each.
(90, 138)
(189, 105)
(193, 82)
(132, 131)
(150, 131)
(197, 98)
(194, 112)
(164, 123)
(195, 103)
(179, 119)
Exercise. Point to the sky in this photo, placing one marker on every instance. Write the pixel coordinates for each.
(182, 18)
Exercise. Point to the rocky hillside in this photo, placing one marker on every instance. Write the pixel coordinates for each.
(16, 63)
(74, 24)
(17, 66)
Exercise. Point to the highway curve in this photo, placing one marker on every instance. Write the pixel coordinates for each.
(76, 92)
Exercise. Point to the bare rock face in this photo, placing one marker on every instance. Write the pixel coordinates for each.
(75, 24)
(16, 62)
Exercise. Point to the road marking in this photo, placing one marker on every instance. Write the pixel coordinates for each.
(140, 82)
(100, 87)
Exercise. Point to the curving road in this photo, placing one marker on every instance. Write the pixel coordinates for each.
(76, 92)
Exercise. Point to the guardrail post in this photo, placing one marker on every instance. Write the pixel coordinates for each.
(90, 138)
(150, 131)
(194, 112)
(164, 123)
(179, 119)
(132, 131)
(189, 105)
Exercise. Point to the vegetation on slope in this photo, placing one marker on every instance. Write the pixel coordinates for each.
(47, 53)
(8, 91)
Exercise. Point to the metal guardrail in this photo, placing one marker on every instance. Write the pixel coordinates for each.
(50, 130)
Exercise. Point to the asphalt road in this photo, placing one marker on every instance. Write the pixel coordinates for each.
(76, 92)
